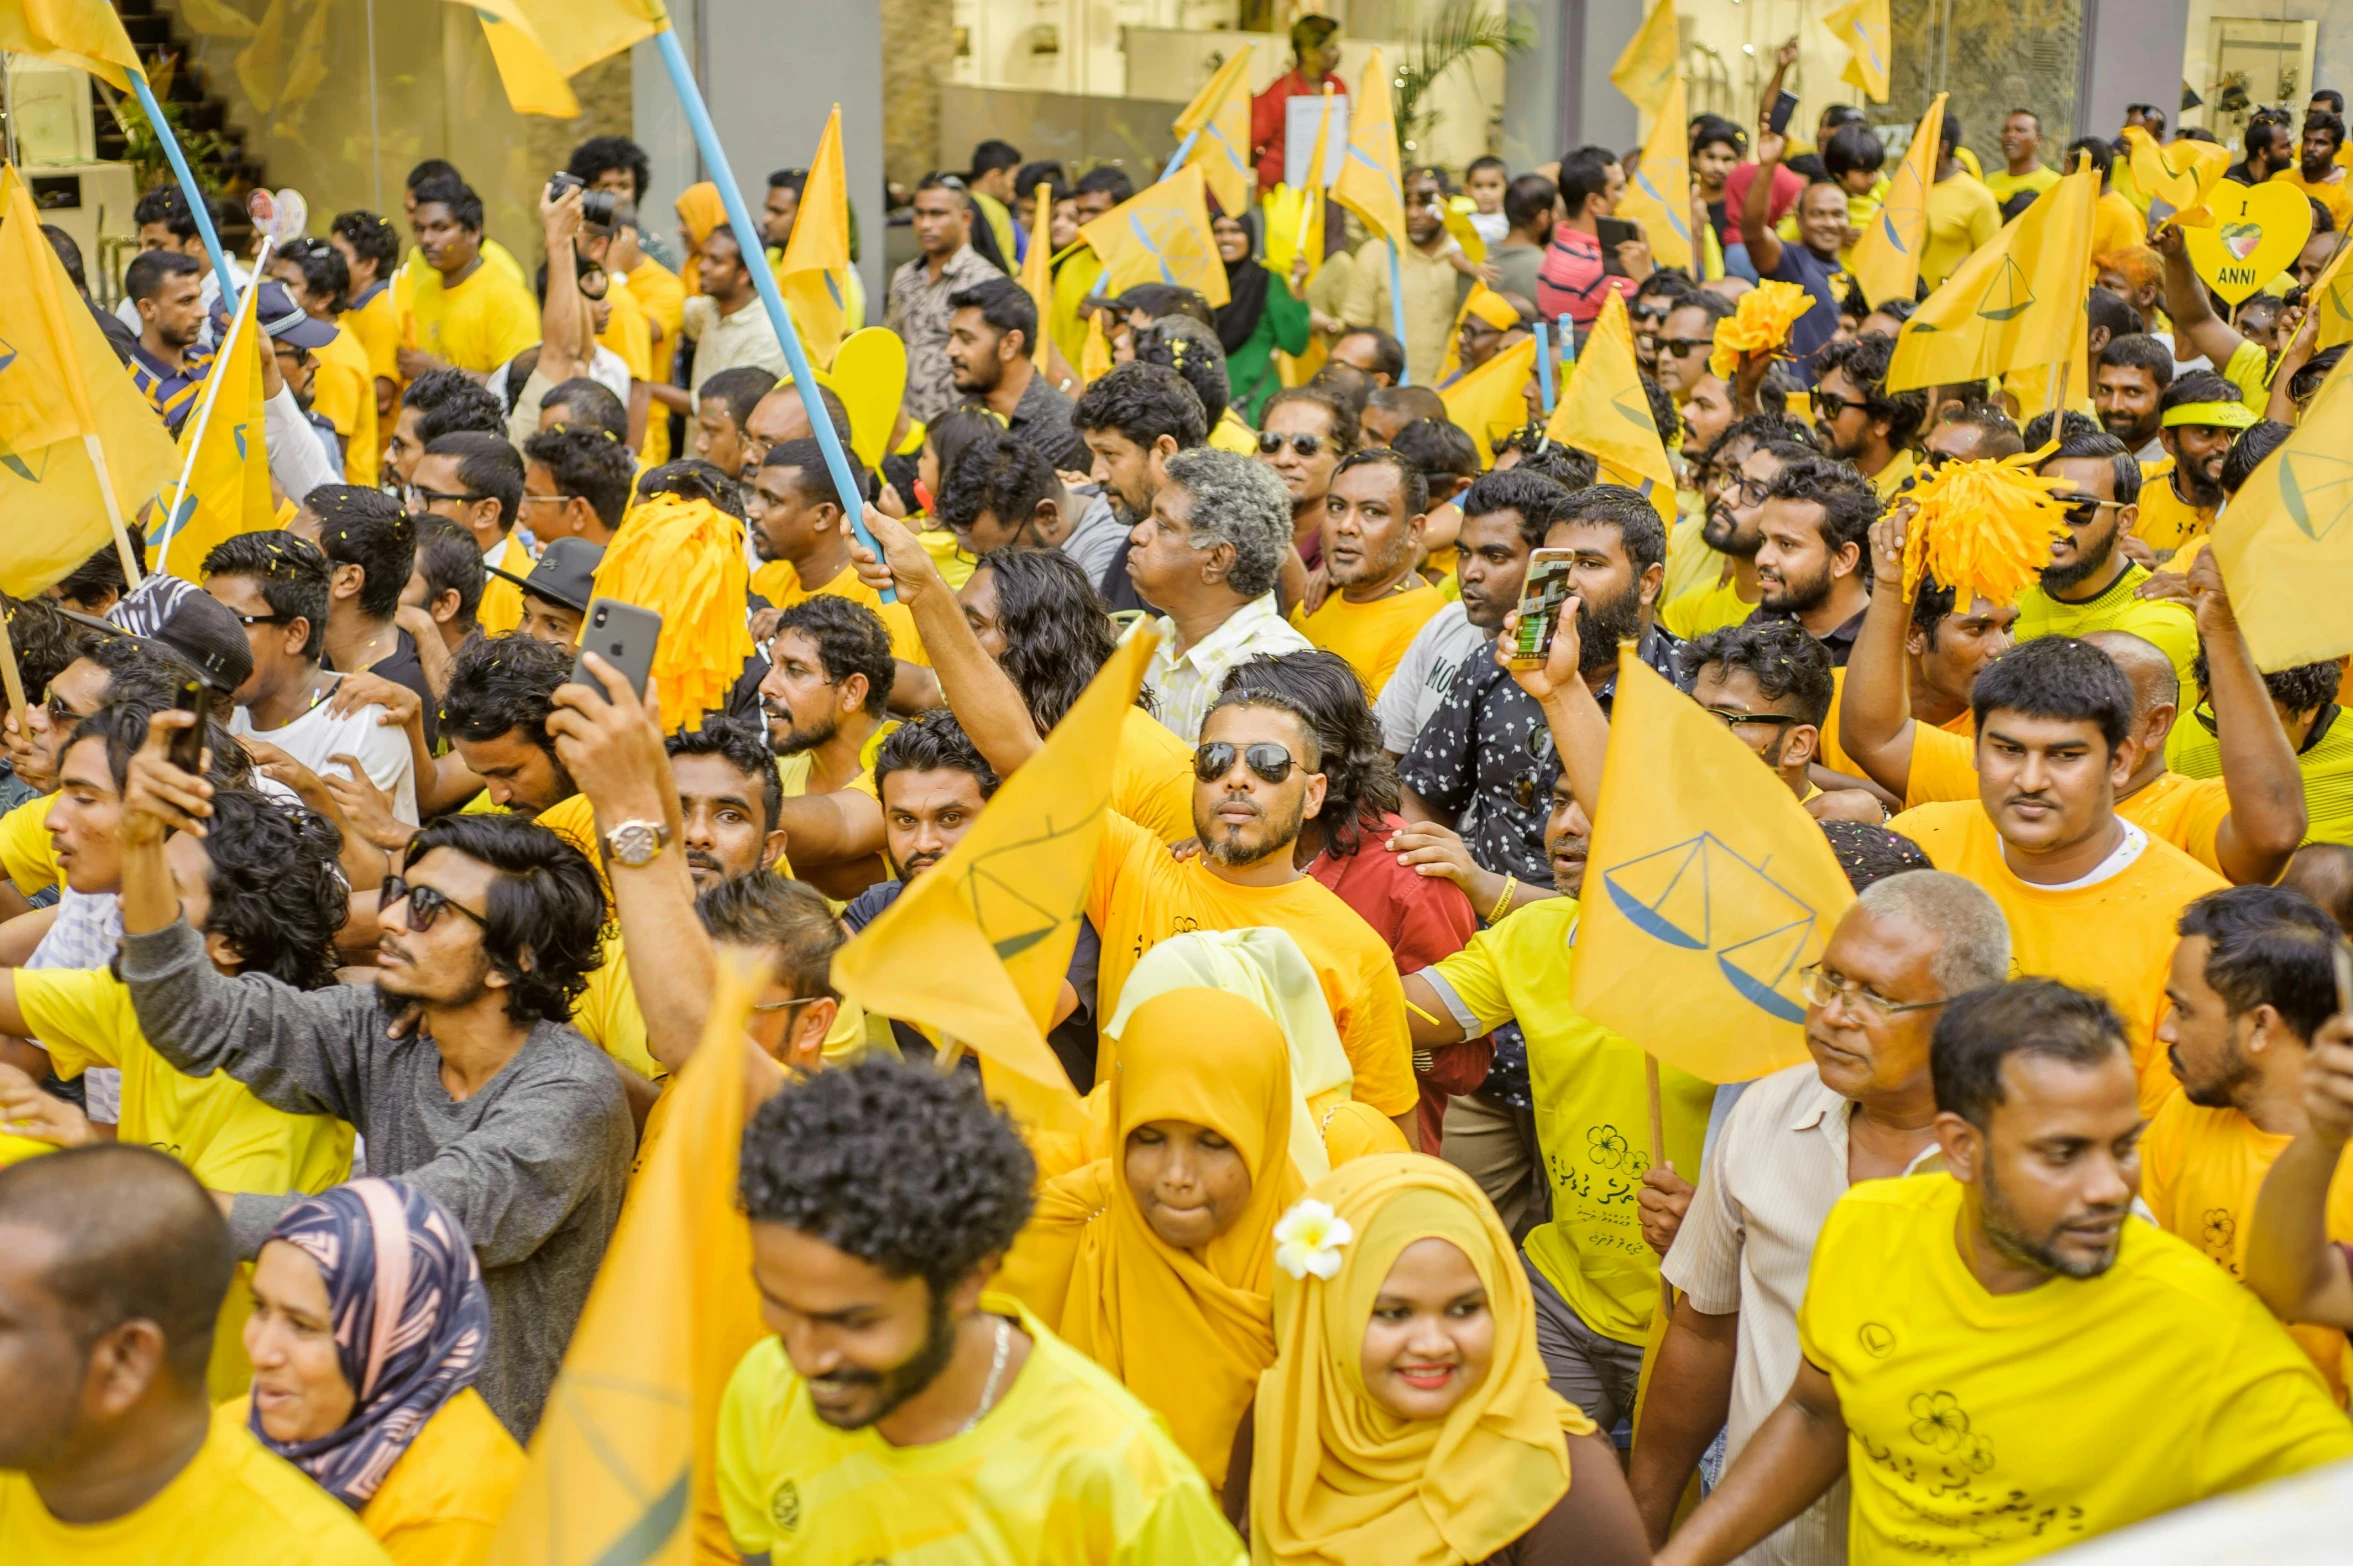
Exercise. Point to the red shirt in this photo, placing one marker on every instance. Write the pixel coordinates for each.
(1570, 280)
(1788, 185)
(1267, 119)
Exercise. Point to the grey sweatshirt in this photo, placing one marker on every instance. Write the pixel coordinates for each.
(534, 1165)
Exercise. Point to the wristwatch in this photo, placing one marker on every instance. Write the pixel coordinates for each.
(635, 843)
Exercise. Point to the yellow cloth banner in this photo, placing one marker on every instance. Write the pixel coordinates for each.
(2016, 301)
(1605, 410)
(1886, 262)
(532, 82)
(817, 257)
(1220, 113)
(1161, 235)
(1647, 72)
(624, 1464)
(1370, 183)
(1658, 195)
(62, 392)
(575, 34)
(1490, 401)
(2285, 541)
(1709, 889)
(85, 34)
(976, 947)
(228, 483)
(1862, 26)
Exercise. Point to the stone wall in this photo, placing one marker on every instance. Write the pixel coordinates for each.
(918, 45)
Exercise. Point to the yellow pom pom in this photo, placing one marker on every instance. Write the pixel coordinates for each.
(1983, 529)
(684, 560)
(1759, 324)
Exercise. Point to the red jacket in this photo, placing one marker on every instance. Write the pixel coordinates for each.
(1266, 121)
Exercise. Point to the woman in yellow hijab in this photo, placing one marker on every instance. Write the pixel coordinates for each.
(1156, 1261)
(700, 210)
(1406, 1420)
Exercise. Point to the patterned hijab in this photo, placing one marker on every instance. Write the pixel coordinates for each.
(411, 1322)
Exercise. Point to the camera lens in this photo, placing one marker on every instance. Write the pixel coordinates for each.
(596, 206)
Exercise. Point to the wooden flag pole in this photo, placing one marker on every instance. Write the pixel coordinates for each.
(14, 679)
(1658, 1156)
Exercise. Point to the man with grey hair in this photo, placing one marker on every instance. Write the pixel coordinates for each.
(1209, 554)
(1864, 1110)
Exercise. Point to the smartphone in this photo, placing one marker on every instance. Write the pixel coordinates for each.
(1613, 232)
(1546, 589)
(1777, 117)
(624, 636)
(187, 747)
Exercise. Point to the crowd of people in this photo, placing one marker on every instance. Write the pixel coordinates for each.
(359, 913)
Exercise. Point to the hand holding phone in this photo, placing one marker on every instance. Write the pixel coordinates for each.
(624, 636)
(1547, 588)
(187, 745)
(1777, 117)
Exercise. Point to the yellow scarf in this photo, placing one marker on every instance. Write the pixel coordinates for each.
(701, 209)
(1337, 1479)
(1186, 1331)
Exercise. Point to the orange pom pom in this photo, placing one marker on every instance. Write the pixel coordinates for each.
(1983, 529)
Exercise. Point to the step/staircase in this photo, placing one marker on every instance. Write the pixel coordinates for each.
(155, 34)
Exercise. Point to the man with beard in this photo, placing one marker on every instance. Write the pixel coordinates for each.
(2129, 378)
(167, 288)
(992, 335)
(1132, 421)
(723, 409)
(730, 795)
(1859, 421)
(1811, 565)
(2088, 1369)
(1372, 531)
(2198, 418)
(2252, 983)
(2091, 584)
(1731, 531)
(2316, 172)
(2271, 147)
(1433, 286)
(487, 1098)
(828, 714)
(794, 518)
(882, 1201)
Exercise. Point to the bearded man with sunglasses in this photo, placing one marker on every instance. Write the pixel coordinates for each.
(2090, 584)
(457, 1066)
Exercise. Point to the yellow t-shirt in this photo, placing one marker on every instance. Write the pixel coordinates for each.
(1890, 479)
(2250, 370)
(1708, 609)
(501, 609)
(2005, 184)
(1229, 433)
(27, 852)
(1997, 1428)
(2326, 763)
(780, 584)
(573, 819)
(1592, 1115)
(947, 557)
(2169, 625)
(1963, 728)
(1962, 215)
(235, 1504)
(1141, 896)
(2200, 1172)
(1068, 1469)
(2167, 522)
(628, 332)
(1152, 777)
(1372, 637)
(2116, 936)
(2330, 193)
(1691, 565)
(343, 391)
(478, 325)
(794, 770)
(658, 289)
(376, 325)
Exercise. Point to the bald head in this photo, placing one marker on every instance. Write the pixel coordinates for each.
(2324, 873)
(781, 416)
(2154, 684)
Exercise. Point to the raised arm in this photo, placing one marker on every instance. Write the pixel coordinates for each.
(2194, 320)
(1875, 723)
(2290, 1263)
(1796, 1454)
(564, 351)
(1756, 208)
(1579, 731)
(2259, 771)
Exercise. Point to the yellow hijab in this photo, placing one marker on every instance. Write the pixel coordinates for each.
(701, 210)
(1339, 1480)
(1186, 1331)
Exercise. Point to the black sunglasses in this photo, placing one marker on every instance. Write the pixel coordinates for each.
(251, 620)
(1679, 346)
(1214, 760)
(1306, 445)
(2084, 510)
(425, 904)
(1828, 406)
(419, 496)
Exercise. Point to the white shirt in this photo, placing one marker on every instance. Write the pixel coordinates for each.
(1423, 675)
(1187, 684)
(724, 342)
(1747, 1244)
(318, 735)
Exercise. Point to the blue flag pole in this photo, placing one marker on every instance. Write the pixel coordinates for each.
(1397, 307)
(739, 217)
(1184, 148)
(200, 208)
(1568, 339)
(1544, 363)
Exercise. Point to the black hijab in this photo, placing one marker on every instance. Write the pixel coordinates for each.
(1246, 283)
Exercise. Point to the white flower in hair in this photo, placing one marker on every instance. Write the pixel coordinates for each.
(1308, 1240)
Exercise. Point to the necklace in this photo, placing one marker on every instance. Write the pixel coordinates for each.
(988, 1393)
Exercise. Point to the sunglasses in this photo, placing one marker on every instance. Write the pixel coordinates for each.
(1679, 346)
(2083, 510)
(425, 904)
(1306, 445)
(1733, 720)
(1214, 760)
(1829, 408)
(418, 497)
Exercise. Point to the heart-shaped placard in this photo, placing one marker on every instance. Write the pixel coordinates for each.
(2258, 232)
(870, 373)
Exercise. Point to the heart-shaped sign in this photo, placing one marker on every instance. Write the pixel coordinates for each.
(2258, 232)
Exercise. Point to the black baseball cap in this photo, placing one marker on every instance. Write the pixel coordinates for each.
(565, 574)
(184, 622)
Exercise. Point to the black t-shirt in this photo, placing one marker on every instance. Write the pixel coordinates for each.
(403, 667)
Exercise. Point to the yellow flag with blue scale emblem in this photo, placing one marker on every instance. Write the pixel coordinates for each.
(2285, 541)
(1218, 120)
(1647, 69)
(2015, 304)
(1370, 183)
(224, 458)
(1161, 235)
(1862, 25)
(1886, 262)
(1658, 192)
(817, 257)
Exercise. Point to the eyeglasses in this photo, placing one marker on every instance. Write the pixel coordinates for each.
(417, 497)
(1677, 347)
(1733, 720)
(1214, 760)
(1829, 407)
(1306, 445)
(249, 621)
(1749, 492)
(784, 1005)
(425, 904)
(1820, 987)
(550, 499)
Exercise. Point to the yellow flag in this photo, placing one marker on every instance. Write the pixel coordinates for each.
(575, 34)
(977, 945)
(2014, 303)
(1094, 354)
(1647, 70)
(1709, 888)
(1491, 401)
(86, 34)
(2332, 298)
(532, 82)
(1605, 410)
(228, 482)
(1863, 27)
(1161, 235)
(1370, 183)
(1220, 114)
(1658, 195)
(1886, 261)
(64, 403)
(624, 1464)
(2174, 179)
(2285, 541)
(1037, 271)
(817, 257)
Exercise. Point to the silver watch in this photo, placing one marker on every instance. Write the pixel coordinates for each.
(635, 843)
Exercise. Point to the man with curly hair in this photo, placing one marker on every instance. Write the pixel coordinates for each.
(458, 1065)
(882, 1200)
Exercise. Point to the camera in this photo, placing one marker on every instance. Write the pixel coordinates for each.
(596, 206)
